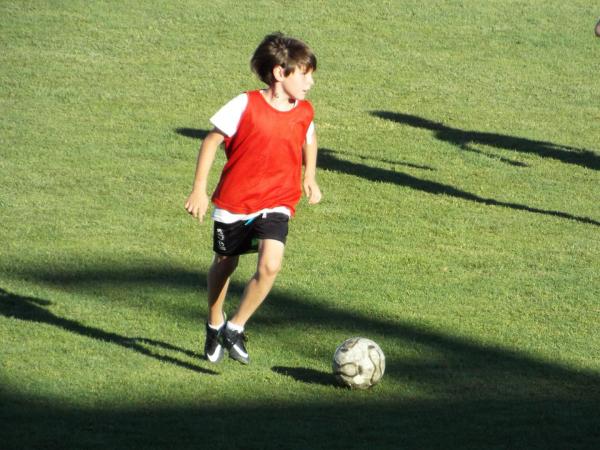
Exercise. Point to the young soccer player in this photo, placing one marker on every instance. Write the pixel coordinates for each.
(268, 134)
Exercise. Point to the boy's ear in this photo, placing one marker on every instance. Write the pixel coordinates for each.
(278, 73)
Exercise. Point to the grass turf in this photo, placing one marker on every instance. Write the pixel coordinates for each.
(459, 228)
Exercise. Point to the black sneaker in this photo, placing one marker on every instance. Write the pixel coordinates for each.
(213, 350)
(234, 342)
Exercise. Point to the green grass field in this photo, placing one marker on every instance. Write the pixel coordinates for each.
(460, 227)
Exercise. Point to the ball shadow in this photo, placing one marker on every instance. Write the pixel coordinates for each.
(306, 375)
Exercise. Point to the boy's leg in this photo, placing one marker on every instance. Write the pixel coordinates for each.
(270, 258)
(217, 283)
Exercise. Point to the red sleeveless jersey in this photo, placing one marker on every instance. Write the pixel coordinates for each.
(264, 158)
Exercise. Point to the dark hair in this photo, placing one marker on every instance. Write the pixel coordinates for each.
(279, 50)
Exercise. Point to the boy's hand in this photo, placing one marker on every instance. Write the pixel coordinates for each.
(197, 205)
(312, 191)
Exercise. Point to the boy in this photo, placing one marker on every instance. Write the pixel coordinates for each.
(268, 134)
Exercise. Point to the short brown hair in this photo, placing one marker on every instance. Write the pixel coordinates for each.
(279, 50)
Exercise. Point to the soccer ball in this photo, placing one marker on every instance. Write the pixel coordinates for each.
(358, 363)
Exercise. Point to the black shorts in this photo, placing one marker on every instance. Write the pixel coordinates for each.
(241, 237)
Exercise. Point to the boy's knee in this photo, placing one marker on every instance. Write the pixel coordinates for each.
(269, 268)
(225, 263)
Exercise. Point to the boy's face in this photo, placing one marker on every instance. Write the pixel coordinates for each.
(297, 84)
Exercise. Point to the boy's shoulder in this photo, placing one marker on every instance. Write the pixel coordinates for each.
(307, 106)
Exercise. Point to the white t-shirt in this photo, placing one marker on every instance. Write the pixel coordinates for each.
(227, 120)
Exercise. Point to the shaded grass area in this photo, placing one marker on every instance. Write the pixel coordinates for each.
(483, 396)
(498, 371)
(486, 397)
(514, 423)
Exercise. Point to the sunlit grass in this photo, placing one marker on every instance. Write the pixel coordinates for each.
(459, 227)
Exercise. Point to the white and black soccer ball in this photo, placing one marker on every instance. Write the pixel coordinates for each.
(358, 363)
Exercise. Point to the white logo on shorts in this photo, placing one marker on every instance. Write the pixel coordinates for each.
(221, 239)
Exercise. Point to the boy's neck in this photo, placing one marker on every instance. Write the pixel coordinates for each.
(278, 99)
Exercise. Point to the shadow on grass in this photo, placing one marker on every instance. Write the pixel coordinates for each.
(306, 375)
(465, 138)
(328, 160)
(469, 395)
(397, 163)
(353, 424)
(83, 279)
(36, 310)
(193, 133)
(497, 366)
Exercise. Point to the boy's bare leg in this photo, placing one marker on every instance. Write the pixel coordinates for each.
(270, 258)
(218, 282)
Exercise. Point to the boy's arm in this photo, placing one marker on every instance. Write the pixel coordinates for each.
(311, 188)
(197, 203)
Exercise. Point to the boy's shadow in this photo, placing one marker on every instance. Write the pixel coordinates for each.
(35, 310)
(465, 138)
